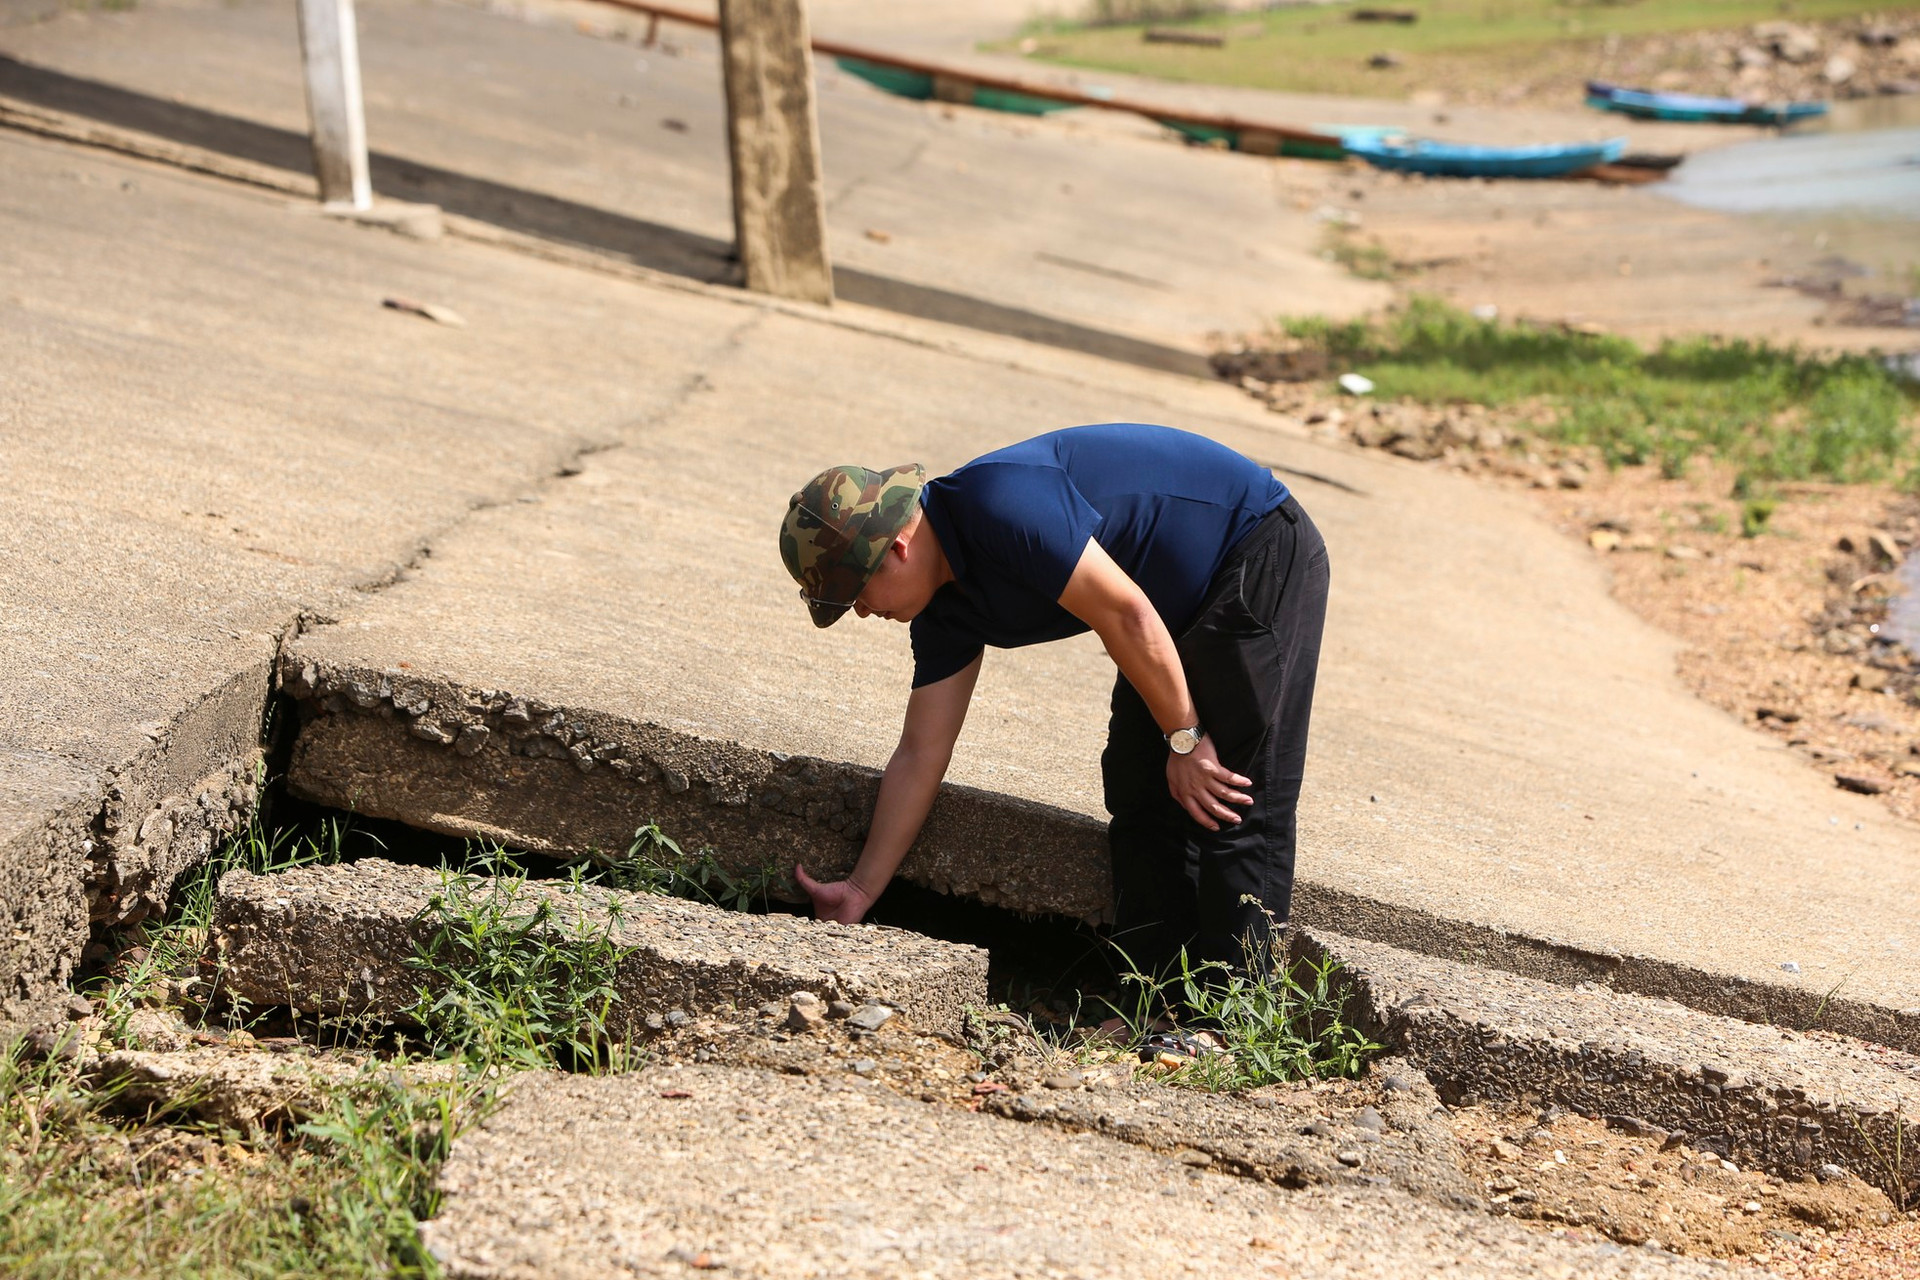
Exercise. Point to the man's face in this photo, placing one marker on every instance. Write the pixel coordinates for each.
(897, 591)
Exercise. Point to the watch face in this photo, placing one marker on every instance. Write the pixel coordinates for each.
(1183, 741)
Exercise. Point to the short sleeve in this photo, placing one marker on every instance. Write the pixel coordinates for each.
(1029, 521)
(940, 648)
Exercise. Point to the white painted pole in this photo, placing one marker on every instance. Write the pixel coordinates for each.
(330, 50)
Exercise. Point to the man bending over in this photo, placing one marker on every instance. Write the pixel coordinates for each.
(1204, 579)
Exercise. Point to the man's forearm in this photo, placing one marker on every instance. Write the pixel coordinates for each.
(1143, 649)
(907, 791)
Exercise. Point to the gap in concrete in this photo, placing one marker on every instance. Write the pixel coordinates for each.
(1043, 965)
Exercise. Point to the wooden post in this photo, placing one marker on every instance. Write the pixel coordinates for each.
(330, 50)
(773, 135)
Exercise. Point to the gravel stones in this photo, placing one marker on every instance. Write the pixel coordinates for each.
(869, 1018)
(336, 939)
(1763, 1095)
(806, 1012)
(775, 1175)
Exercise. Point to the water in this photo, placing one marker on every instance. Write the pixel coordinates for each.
(1903, 609)
(1873, 171)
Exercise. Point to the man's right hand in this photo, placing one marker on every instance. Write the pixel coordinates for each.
(841, 900)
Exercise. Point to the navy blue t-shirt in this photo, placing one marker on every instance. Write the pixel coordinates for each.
(1166, 505)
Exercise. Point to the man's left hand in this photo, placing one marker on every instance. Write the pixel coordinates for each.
(1204, 787)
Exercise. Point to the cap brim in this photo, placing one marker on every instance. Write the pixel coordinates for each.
(824, 614)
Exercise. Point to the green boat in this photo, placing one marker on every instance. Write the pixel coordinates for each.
(1331, 147)
(920, 86)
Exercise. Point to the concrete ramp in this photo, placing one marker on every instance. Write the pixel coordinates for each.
(337, 940)
(771, 1175)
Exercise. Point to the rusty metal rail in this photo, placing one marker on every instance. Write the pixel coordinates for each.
(1253, 136)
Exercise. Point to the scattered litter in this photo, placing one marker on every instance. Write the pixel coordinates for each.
(878, 236)
(429, 310)
(1355, 384)
(1485, 311)
(672, 125)
(676, 1093)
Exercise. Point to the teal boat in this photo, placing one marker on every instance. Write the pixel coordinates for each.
(920, 86)
(1694, 109)
(1454, 160)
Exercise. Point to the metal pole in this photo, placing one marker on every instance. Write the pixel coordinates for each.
(330, 51)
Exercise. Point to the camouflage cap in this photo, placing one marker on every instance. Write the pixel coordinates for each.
(838, 529)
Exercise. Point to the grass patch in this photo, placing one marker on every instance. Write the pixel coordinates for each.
(1310, 49)
(655, 863)
(89, 1190)
(1280, 1020)
(1365, 259)
(506, 980)
(1772, 413)
(90, 1187)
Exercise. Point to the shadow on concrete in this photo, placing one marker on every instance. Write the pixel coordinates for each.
(647, 244)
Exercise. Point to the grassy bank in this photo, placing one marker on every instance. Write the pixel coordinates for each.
(1771, 413)
(1489, 43)
(93, 1185)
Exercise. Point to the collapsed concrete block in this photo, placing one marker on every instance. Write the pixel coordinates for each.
(242, 1088)
(337, 941)
(1767, 1096)
(749, 1172)
(1294, 1137)
(493, 765)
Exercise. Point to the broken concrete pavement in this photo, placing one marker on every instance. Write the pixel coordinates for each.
(770, 1174)
(339, 941)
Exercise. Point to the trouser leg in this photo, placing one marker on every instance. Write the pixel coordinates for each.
(1252, 658)
(1154, 906)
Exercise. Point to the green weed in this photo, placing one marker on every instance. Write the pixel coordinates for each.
(1755, 514)
(1364, 259)
(507, 978)
(655, 863)
(1279, 1020)
(1774, 413)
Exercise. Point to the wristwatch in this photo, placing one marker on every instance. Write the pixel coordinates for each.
(1182, 741)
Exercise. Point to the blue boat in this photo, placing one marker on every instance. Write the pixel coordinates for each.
(1455, 160)
(1693, 108)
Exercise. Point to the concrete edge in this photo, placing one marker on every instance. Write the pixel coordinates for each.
(1567, 964)
(492, 765)
(339, 941)
(108, 848)
(488, 764)
(1790, 1106)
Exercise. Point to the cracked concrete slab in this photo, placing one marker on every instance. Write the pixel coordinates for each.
(569, 136)
(1770, 1097)
(46, 811)
(337, 940)
(1391, 1131)
(239, 1088)
(212, 431)
(769, 1175)
(1453, 804)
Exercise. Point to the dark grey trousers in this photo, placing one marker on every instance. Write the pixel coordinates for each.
(1250, 657)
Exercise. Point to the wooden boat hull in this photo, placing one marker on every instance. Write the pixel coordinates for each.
(924, 86)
